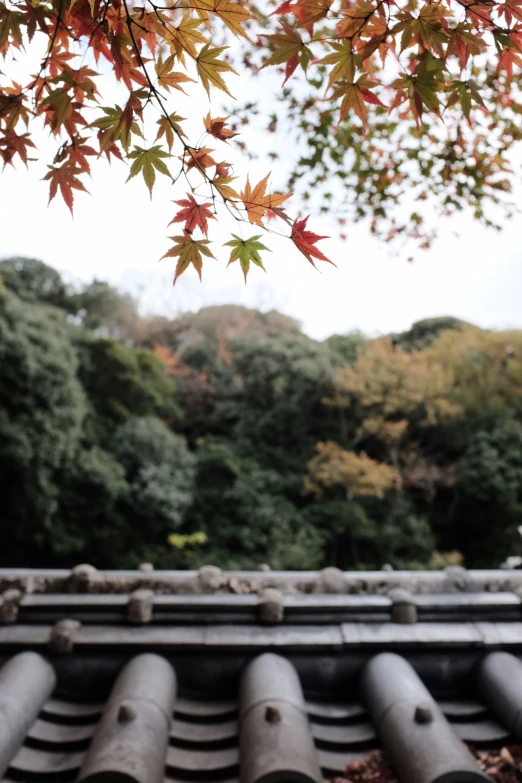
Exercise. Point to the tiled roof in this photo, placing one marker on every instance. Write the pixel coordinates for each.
(258, 677)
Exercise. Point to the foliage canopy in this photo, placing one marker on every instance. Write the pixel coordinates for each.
(384, 99)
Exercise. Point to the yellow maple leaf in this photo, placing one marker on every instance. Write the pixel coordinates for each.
(210, 68)
(232, 14)
(222, 185)
(184, 36)
(168, 78)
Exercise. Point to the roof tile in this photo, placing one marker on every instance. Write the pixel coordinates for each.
(272, 637)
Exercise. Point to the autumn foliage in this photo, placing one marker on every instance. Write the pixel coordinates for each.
(386, 97)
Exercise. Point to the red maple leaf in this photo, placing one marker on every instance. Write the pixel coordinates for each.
(13, 144)
(76, 152)
(305, 240)
(64, 177)
(193, 214)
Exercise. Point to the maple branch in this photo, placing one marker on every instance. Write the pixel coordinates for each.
(187, 148)
(152, 87)
(49, 53)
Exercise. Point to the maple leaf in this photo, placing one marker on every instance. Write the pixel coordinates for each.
(10, 32)
(232, 14)
(222, 185)
(512, 9)
(256, 202)
(184, 36)
(479, 12)
(58, 61)
(343, 60)
(77, 153)
(36, 15)
(222, 169)
(189, 251)
(111, 149)
(356, 96)
(58, 108)
(199, 159)
(510, 54)
(464, 43)
(147, 27)
(246, 251)
(193, 214)
(117, 125)
(148, 161)
(216, 128)
(64, 177)
(167, 77)
(167, 127)
(124, 61)
(466, 93)
(423, 87)
(355, 18)
(426, 29)
(81, 82)
(15, 144)
(307, 11)
(210, 68)
(12, 107)
(305, 240)
(289, 48)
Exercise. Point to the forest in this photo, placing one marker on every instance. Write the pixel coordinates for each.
(229, 437)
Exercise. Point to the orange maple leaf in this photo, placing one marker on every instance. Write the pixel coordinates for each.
(216, 128)
(305, 240)
(199, 158)
(257, 203)
(193, 214)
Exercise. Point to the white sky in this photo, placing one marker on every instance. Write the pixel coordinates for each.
(118, 234)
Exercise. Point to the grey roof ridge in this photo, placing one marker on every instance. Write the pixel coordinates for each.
(86, 578)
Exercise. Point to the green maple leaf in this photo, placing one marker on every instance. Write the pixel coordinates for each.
(189, 251)
(148, 162)
(59, 104)
(116, 125)
(343, 60)
(246, 251)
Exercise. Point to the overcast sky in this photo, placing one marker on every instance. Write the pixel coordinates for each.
(119, 234)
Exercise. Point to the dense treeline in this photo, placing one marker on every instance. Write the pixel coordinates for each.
(229, 437)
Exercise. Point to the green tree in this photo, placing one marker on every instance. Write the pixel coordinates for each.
(119, 506)
(101, 308)
(346, 346)
(488, 504)
(243, 510)
(42, 408)
(425, 332)
(281, 415)
(120, 382)
(34, 281)
(159, 471)
(89, 525)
